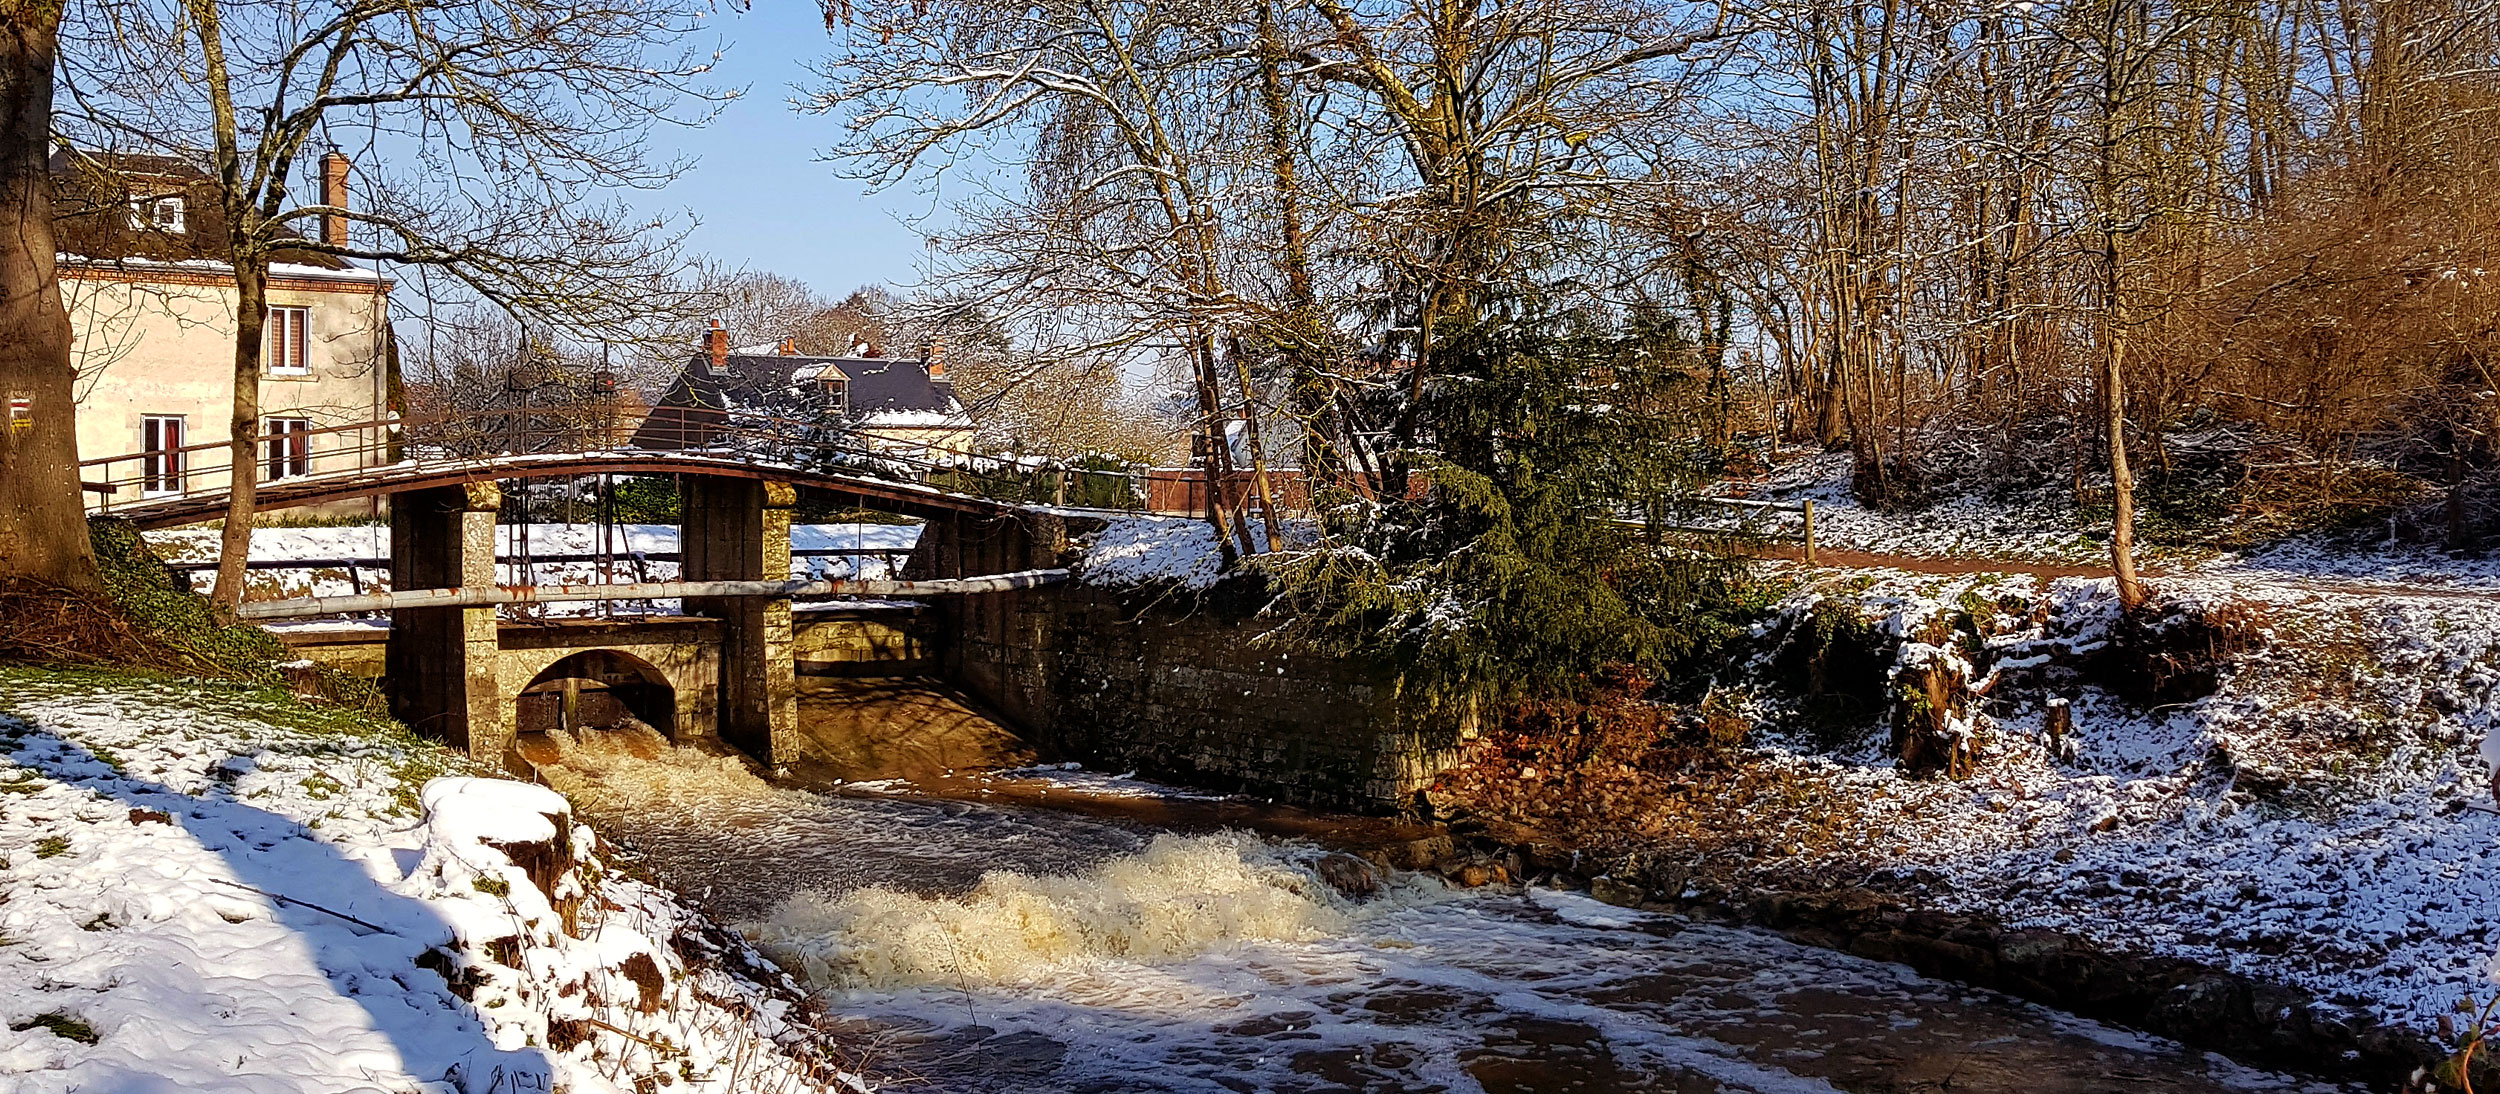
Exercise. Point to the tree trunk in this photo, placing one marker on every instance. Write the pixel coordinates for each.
(251, 311)
(2131, 594)
(1211, 427)
(2114, 318)
(234, 545)
(43, 523)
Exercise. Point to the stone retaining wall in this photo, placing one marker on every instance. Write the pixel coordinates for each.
(1175, 685)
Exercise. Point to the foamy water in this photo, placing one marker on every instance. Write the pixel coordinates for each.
(714, 830)
(1024, 951)
(1180, 897)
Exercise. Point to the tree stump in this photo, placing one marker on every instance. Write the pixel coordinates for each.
(1931, 722)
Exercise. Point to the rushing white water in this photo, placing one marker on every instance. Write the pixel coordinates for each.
(1015, 950)
(1180, 897)
(721, 834)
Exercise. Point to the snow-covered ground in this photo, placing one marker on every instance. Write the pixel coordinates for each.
(205, 888)
(1154, 549)
(872, 542)
(1967, 527)
(2325, 819)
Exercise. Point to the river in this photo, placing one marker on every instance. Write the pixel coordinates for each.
(985, 942)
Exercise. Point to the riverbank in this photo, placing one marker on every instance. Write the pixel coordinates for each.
(987, 938)
(2268, 832)
(216, 886)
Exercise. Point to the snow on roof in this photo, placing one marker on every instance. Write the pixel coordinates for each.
(917, 419)
(205, 265)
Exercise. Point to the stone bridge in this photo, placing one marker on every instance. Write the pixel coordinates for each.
(1170, 683)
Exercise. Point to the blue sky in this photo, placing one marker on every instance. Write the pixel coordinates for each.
(764, 195)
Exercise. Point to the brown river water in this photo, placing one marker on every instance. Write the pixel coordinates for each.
(1059, 930)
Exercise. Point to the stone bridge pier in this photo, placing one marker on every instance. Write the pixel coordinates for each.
(739, 530)
(441, 669)
(458, 673)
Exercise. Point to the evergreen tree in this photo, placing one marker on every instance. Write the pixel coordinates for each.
(1558, 448)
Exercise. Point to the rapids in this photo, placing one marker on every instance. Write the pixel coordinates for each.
(989, 946)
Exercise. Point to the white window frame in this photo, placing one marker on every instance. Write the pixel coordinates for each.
(286, 341)
(286, 448)
(159, 214)
(161, 458)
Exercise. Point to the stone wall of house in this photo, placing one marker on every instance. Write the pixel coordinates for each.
(159, 342)
(1178, 686)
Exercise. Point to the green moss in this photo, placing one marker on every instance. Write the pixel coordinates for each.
(60, 1025)
(51, 847)
(492, 886)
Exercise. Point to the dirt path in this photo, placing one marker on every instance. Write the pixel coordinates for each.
(1841, 558)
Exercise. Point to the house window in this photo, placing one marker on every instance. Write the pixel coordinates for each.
(157, 215)
(160, 454)
(285, 353)
(288, 444)
(837, 397)
(21, 415)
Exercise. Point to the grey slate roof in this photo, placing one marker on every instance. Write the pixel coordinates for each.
(880, 391)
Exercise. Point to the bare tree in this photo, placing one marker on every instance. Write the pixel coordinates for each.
(504, 120)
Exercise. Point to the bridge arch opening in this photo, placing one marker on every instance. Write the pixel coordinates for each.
(597, 689)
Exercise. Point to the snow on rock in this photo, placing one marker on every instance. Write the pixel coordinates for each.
(210, 889)
(492, 811)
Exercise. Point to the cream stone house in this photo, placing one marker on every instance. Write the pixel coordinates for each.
(153, 318)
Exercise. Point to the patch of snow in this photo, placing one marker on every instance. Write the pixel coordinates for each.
(233, 906)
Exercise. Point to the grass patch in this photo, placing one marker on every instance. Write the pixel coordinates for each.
(61, 1025)
(304, 727)
(51, 847)
(492, 886)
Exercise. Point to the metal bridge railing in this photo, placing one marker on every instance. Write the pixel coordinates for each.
(346, 451)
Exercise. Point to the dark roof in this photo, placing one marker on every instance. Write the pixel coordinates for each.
(92, 192)
(791, 387)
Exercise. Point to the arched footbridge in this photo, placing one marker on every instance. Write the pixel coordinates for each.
(453, 665)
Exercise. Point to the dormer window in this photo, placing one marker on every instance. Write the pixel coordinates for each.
(163, 214)
(837, 391)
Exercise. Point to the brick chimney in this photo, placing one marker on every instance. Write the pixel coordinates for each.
(937, 359)
(716, 343)
(334, 193)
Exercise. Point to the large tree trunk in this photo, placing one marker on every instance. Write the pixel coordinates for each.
(43, 522)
